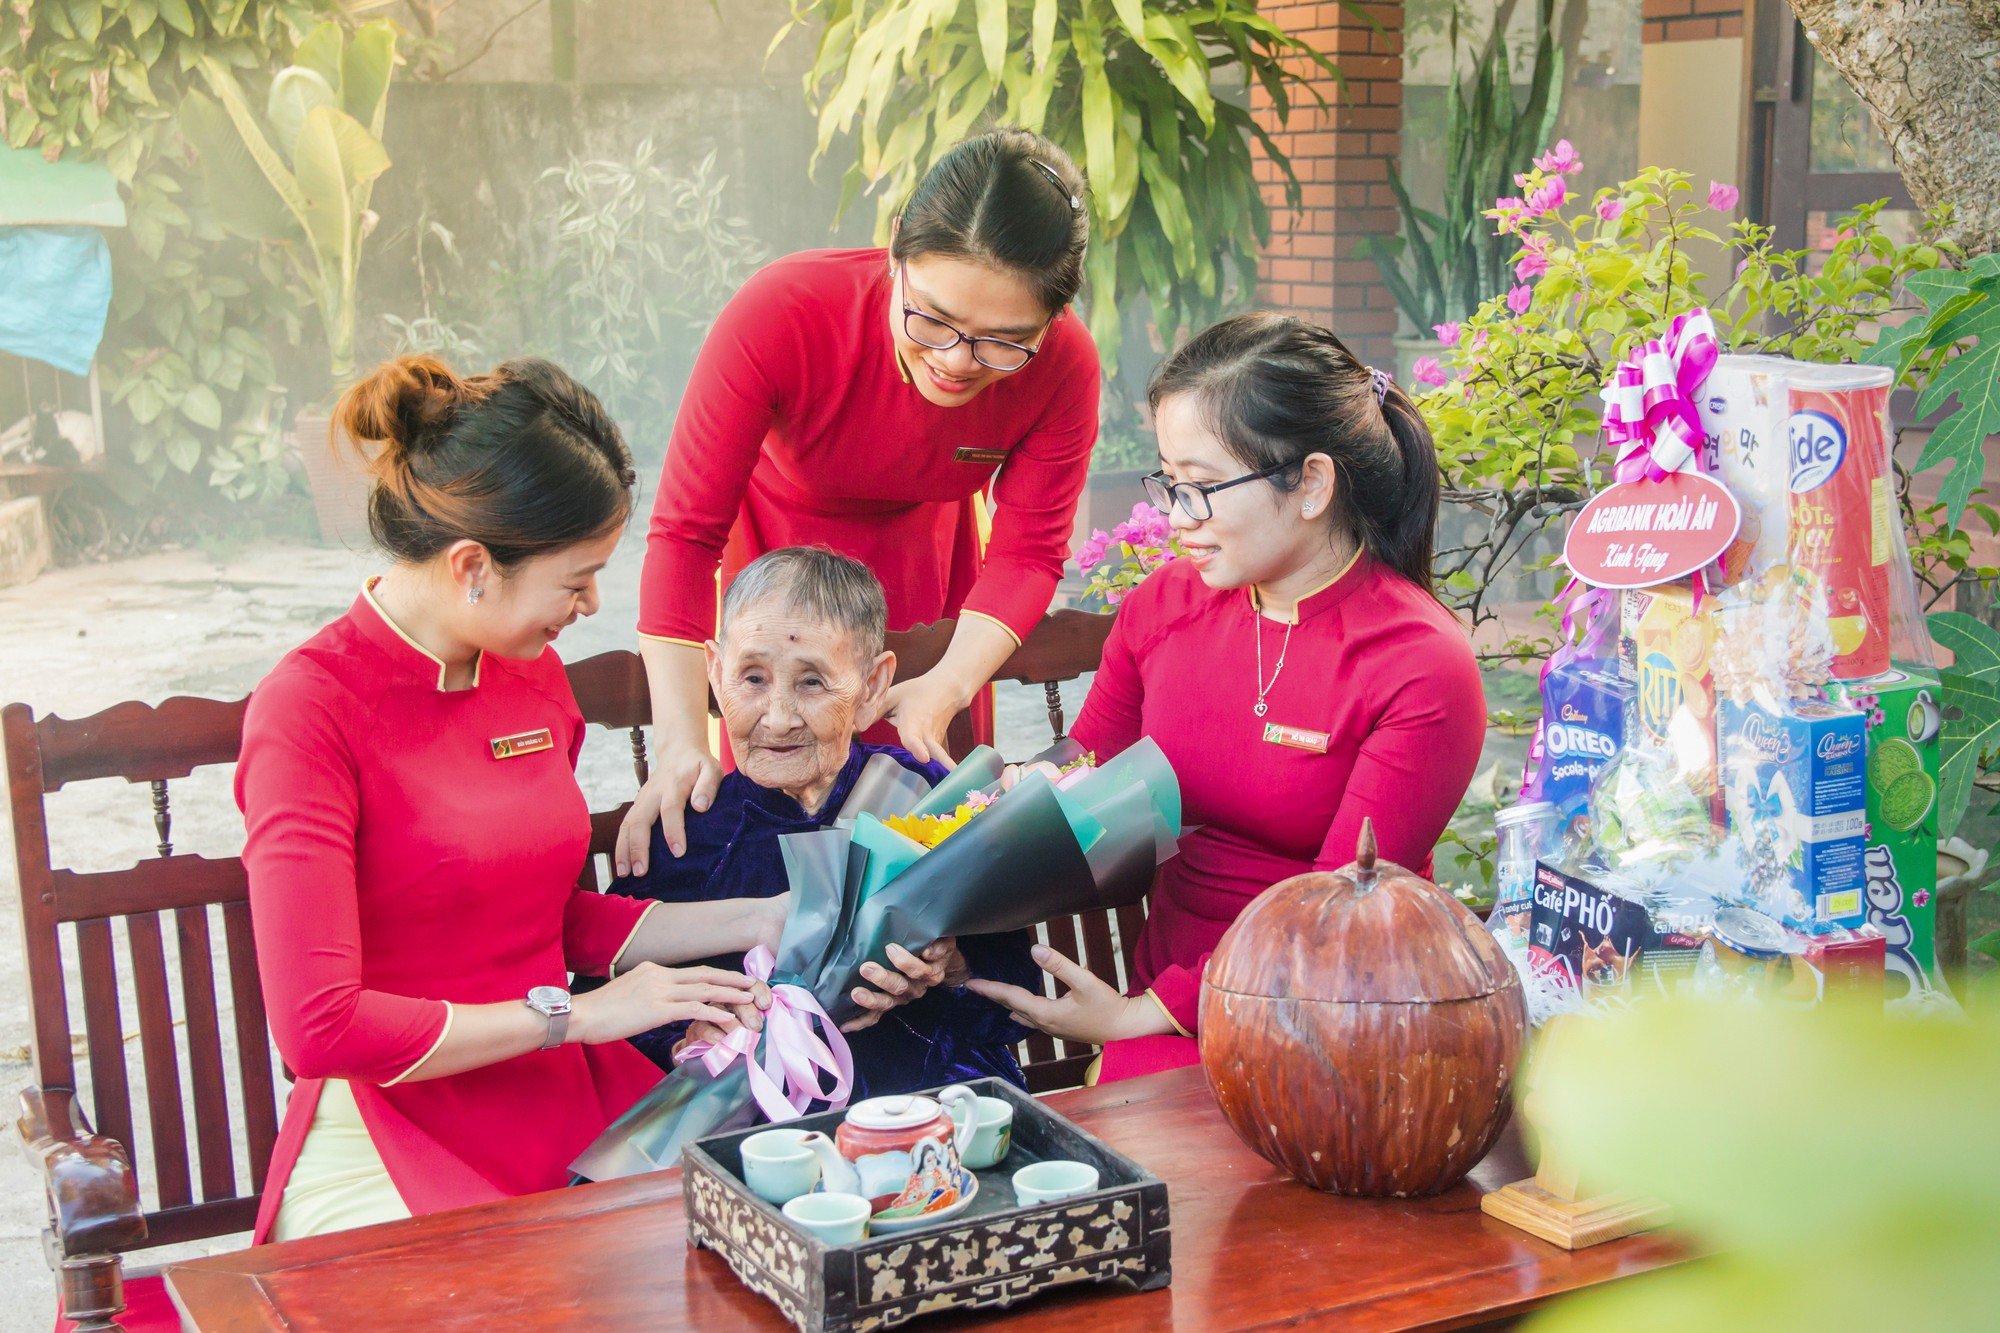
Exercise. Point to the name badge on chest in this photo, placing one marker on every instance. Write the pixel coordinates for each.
(522, 742)
(983, 457)
(1297, 738)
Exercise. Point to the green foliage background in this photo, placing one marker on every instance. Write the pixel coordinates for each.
(186, 351)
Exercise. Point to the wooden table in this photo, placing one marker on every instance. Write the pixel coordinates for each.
(1250, 1248)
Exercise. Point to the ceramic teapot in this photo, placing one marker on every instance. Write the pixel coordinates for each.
(900, 1153)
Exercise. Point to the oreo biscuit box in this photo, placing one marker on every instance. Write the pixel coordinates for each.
(1585, 708)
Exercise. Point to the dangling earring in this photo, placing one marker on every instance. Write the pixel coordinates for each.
(473, 594)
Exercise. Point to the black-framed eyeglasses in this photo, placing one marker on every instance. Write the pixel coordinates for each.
(932, 332)
(1192, 499)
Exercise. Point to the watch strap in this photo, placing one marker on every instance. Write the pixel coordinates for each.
(558, 1029)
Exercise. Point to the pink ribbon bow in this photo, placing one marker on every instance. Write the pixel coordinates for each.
(1649, 406)
(789, 1078)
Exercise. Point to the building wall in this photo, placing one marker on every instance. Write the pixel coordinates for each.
(1341, 153)
(1692, 20)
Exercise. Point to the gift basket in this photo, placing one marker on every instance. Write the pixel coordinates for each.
(1734, 784)
(904, 863)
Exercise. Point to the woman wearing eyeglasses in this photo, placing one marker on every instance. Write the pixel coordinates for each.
(1295, 666)
(863, 400)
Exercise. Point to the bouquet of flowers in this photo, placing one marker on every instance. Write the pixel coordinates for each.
(985, 860)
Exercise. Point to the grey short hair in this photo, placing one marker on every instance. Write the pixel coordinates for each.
(818, 582)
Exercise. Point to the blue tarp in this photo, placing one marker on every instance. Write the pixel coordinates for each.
(55, 290)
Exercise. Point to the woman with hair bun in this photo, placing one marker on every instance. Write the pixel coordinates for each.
(1295, 667)
(416, 831)
(862, 400)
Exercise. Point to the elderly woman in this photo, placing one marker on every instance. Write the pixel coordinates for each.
(799, 670)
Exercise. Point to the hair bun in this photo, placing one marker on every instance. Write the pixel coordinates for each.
(404, 407)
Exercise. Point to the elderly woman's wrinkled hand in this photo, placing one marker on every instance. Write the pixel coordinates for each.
(913, 978)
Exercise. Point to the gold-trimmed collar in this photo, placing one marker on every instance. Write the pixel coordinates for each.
(1298, 609)
(389, 623)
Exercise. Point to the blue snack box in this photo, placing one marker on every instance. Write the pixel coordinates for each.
(1585, 706)
(1796, 777)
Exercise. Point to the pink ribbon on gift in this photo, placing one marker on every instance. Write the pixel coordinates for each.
(1650, 417)
(788, 1079)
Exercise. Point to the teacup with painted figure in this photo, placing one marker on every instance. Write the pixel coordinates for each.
(902, 1154)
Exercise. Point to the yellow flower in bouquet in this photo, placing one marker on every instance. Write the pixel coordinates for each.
(927, 831)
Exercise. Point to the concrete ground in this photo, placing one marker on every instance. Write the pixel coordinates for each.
(187, 622)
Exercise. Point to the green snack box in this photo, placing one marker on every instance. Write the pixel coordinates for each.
(1905, 715)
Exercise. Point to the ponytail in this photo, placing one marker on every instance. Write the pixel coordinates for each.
(1277, 389)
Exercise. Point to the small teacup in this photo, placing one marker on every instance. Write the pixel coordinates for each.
(1046, 1182)
(834, 1219)
(778, 1166)
(992, 1133)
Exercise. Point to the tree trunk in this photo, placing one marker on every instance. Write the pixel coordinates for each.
(1929, 73)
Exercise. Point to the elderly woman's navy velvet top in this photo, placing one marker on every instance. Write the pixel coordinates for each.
(732, 852)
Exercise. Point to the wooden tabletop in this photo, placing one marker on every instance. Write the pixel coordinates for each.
(1250, 1248)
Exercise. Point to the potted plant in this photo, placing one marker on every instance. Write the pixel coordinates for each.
(1443, 265)
(300, 177)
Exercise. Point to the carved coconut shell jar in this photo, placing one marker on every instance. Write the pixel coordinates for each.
(1361, 1030)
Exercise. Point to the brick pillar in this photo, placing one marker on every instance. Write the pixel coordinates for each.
(1341, 154)
(1691, 20)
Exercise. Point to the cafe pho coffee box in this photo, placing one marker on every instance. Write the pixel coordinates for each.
(1586, 708)
(1795, 776)
(1588, 937)
(1903, 712)
(1663, 648)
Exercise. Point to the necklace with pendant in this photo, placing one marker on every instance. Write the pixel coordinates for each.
(1261, 708)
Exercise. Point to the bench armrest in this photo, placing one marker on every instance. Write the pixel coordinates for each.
(93, 1194)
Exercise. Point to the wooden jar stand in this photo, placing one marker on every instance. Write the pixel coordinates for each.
(1552, 1204)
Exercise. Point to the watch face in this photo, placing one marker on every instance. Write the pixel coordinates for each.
(549, 1000)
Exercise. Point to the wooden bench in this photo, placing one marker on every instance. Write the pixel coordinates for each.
(89, 1157)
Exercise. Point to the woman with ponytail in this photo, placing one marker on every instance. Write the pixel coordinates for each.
(1294, 666)
(864, 400)
(416, 831)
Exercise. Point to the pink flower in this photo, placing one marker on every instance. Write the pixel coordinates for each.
(1533, 260)
(1478, 340)
(1519, 299)
(1610, 210)
(1560, 160)
(1722, 198)
(1921, 897)
(1447, 332)
(1508, 213)
(1113, 596)
(1427, 370)
(1091, 554)
(1548, 197)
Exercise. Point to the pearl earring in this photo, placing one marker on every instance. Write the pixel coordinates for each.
(473, 594)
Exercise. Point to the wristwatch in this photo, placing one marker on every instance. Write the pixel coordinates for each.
(552, 1003)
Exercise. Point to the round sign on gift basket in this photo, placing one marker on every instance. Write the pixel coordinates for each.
(1639, 533)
